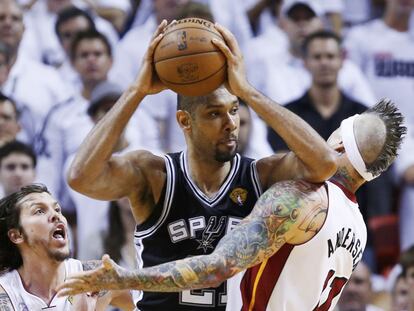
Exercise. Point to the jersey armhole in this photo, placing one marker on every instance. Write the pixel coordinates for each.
(169, 195)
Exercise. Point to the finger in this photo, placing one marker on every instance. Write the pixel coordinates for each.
(107, 262)
(224, 48)
(229, 38)
(160, 29)
(152, 46)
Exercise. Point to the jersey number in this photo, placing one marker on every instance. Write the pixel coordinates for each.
(204, 297)
(335, 289)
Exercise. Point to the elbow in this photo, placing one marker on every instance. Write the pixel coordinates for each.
(76, 178)
(327, 167)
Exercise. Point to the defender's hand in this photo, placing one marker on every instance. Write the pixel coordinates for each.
(106, 277)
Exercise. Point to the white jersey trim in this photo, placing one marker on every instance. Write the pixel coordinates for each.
(255, 179)
(224, 187)
(169, 195)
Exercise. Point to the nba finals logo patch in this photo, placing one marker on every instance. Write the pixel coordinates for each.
(238, 196)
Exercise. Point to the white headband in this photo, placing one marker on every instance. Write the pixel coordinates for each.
(351, 148)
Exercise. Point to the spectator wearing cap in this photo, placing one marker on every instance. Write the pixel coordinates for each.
(279, 71)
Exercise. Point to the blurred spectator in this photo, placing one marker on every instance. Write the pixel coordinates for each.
(9, 124)
(399, 294)
(17, 167)
(44, 44)
(68, 123)
(357, 293)
(33, 86)
(71, 21)
(405, 171)
(324, 106)
(114, 11)
(407, 263)
(384, 49)
(279, 70)
(245, 128)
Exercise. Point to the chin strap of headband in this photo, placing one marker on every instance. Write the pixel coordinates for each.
(351, 148)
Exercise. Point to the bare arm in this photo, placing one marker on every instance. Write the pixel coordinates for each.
(94, 171)
(314, 160)
(5, 301)
(289, 212)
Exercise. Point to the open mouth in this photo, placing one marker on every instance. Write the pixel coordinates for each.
(59, 233)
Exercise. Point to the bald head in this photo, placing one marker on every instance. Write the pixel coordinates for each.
(370, 134)
(378, 135)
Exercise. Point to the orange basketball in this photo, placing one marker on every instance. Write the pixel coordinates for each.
(187, 61)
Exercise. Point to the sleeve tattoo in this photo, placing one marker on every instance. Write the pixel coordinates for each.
(5, 302)
(286, 206)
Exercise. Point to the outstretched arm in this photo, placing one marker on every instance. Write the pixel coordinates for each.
(312, 158)
(289, 212)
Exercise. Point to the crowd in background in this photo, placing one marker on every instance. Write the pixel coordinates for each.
(64, 63)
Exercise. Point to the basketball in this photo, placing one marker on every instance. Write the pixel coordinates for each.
(187, 61)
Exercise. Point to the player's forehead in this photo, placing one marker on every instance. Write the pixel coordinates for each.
(221, 97)
(34, 199)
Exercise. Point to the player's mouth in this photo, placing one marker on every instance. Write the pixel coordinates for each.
(59, 233)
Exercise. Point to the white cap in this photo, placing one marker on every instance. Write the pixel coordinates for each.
(123, 5)
(313, 5)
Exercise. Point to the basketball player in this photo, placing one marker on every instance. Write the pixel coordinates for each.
(184, 203)
(34, 251)
(299, 245)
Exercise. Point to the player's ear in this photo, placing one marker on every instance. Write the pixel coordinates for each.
(15, 236)
(183, 119)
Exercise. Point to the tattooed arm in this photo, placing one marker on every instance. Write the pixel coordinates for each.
(5, 301)
(289, 212)
(121, 299)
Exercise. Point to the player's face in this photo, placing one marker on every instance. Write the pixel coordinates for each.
(16, 171)
(11, 23)
(335, 140)
(400, 299)
(215, 127)
(9, 127)
(45, 231)
(92, 61)
(69, 29)
(323, 61)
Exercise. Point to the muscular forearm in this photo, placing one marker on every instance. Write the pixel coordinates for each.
(97, 148)
(300, 137)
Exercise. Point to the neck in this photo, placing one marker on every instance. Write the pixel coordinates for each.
(347, 179)
(325, 99)
(208, 174)
(88, 88)
(41, 277)
(398, 22)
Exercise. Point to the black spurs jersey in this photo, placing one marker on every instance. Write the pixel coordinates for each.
(188, 223)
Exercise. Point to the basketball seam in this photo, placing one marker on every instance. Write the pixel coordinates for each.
(175, 83)
(214, 33)
(180, 56)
